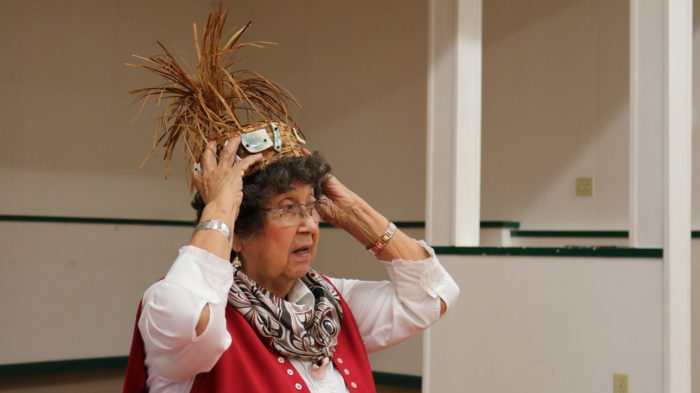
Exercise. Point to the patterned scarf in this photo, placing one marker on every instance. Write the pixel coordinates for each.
(293, 330)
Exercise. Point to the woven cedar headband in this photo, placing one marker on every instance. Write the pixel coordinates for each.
(216, 100)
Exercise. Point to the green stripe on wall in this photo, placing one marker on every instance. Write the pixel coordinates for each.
(539, 233)
(499, 224)
(96, 220)
(59, 366)
(597, 252)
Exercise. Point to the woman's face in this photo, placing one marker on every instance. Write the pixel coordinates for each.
(283, 250)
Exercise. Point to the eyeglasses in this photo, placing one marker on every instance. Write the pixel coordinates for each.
(292, 214)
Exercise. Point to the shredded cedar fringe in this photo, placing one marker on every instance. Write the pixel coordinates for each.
(214, 101)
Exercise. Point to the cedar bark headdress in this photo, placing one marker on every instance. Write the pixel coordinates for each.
(216, 101)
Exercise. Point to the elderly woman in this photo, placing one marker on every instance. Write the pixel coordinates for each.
(273, 324)
(241, 309)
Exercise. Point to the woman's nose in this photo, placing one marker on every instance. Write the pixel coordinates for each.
(307, 221)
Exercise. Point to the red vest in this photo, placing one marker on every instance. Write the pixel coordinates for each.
(250, 366)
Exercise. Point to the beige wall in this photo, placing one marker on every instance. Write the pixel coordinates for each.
(68, 146)
(555, 107)
(359, 70)
(67, 143)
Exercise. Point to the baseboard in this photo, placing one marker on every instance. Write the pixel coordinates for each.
(61, 366)
(115, 362)
(402, 380)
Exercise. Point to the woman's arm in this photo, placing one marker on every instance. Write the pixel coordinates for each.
(220, 184)
(348, 211)
(182, 322)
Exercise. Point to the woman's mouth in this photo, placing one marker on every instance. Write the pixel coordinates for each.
(302, 251)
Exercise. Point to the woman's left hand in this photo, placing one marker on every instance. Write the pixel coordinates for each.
(340, 202)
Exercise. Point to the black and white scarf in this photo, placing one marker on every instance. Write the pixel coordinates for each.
(293, 330)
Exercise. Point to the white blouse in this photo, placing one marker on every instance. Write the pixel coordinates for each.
(387, 312)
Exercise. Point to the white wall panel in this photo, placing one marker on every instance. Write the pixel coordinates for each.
(70, 291)
(548, 325)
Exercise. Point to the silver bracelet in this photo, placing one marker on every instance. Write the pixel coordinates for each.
(216, 225)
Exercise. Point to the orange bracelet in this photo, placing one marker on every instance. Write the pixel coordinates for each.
(379, 245)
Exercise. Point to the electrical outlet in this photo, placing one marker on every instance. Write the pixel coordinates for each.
(620, 383)
(584, 186)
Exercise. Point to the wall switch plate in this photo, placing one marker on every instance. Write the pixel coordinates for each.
(584, 186)
(620, 383)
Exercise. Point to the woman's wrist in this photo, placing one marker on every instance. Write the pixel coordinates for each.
(364, 223)
(215, 241)
(215, 210)
(368, 226)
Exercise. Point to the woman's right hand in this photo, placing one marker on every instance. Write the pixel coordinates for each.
(220, 184)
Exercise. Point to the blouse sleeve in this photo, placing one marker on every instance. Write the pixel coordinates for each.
(171, 309)
(388, 312)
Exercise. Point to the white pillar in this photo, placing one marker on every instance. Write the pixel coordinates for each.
(678, 125)
(660, 166)
(454, 123)
(646, 123)
(454, 130)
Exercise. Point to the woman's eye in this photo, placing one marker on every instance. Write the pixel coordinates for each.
(288, 208)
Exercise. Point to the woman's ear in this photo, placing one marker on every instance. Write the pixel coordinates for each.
(236, 244)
